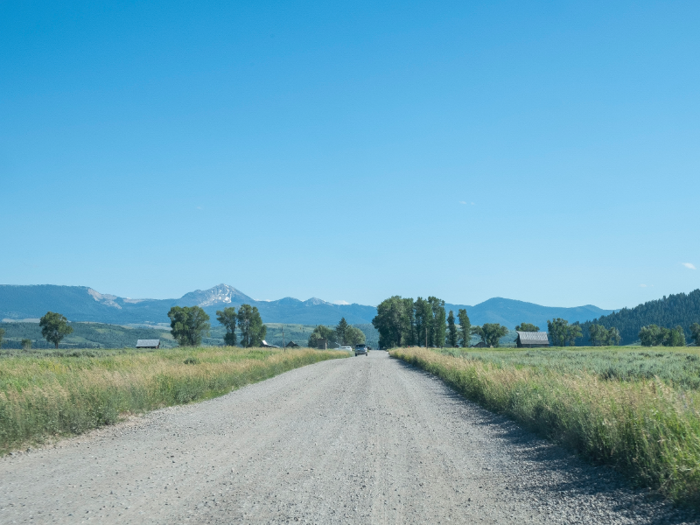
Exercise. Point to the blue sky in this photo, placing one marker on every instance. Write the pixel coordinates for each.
(541, 151)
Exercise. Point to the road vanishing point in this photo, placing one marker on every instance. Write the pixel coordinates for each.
(364, 440)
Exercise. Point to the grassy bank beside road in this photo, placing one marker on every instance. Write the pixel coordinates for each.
(56, 396)
(647, 427)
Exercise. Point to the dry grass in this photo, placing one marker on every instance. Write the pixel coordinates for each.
(645, 427)
(45, 397)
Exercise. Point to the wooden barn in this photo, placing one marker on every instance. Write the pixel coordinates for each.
(531, 339)
(292, 344)
(148, 343)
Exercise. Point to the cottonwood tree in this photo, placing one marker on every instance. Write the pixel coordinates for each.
(676, 337)
(424, 321)
(694, 331)
(395, 322)
(451, 330)
(527, 327)
(614, 337)
(354, 336)
(561, 333)
(26, 344)
(465, 328)
(653, 335)
(437, 308)
(598, 335)
(322, 335)
(54, 327)
(253, 331)
(227, 317)
(189, 324)
(490, 333)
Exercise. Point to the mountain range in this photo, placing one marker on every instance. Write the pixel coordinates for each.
(80, 303)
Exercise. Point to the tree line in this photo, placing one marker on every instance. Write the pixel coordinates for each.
(404, 322)
(341, 335)
(669, 312)
(189, 325)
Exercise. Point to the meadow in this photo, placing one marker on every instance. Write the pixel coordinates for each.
(637, 410)
(45, 397)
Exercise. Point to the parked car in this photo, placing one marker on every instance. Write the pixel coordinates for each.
(361, 350)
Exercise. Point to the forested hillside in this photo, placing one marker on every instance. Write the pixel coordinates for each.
(85, 335)
(675, 310)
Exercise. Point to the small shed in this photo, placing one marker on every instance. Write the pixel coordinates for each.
(292, 344)
(265, 344)
(531, 339)
(480, 344)
(148, 343)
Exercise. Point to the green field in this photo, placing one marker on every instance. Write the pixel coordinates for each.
(85, 335)
(635, 409)
(45, 397)
(678, 367)
(109, 336)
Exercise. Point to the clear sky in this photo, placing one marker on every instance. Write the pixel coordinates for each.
(542, 151)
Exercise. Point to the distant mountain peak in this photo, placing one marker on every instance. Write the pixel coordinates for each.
(315, 301)
(220, 294)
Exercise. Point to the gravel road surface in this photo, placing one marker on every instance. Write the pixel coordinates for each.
(359, 440)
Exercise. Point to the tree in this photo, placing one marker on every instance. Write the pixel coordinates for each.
(26, 344)
(188, 324)
(437, 308)
(527, 327)
(394, 322)
(253, 331)
(650, 335)
(354, 336)
(451, 330)
(598, 335)
(320, 335)
(402, 322)
(424, 321)
(490, 333)
(2, 334)
(563, 334)
(694, 330)
(653, 335)
(341, 331)
(227, 317)
(465, 328)
(676, 337)
(408, 326)
(673, 310)
(614, 337)
(54, 327)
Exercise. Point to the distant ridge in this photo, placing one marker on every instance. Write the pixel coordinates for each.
(675, 310)
(510, 312)
(80, 303)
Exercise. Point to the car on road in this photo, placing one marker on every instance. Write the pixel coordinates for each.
(361, 350)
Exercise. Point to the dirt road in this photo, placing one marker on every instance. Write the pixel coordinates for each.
(360, 440)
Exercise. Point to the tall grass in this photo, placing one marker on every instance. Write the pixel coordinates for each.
(55, 396)
(644, 427)
(677, 366)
